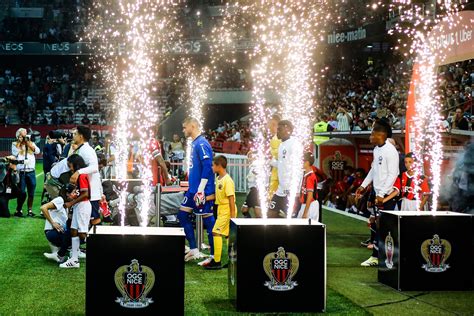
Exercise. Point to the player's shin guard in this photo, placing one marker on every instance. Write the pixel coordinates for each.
(209, 224)
(188, 228)
(217, 248)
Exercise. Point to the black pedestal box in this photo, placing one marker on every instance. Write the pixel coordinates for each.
(277, 265)
(423, 251)
(135, 270)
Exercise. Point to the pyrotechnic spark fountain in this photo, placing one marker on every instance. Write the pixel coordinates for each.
(286, 35)
(126, 34)
(415, 23)
(195, 95)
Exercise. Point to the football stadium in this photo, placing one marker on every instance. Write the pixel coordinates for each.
(221, 157)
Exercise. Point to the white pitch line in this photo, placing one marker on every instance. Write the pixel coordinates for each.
(335, 210)
(39, 174)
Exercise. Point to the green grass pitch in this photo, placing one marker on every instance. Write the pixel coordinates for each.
(32, 285)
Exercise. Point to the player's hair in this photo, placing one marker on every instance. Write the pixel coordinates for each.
(382, 126)
(276, 117)
(220, 161)
(361, 170)
(287, 124)
(410, 155)
(85, 132)
(77, 162)
(192, 120)
(309, 158)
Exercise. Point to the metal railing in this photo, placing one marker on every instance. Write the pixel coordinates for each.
(237, 168)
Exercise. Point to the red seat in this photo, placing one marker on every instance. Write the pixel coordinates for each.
(231, 147)
(217, 146)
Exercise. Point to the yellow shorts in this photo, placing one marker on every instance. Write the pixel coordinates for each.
(222, 224)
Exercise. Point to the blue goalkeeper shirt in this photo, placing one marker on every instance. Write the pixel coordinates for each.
(201, 166)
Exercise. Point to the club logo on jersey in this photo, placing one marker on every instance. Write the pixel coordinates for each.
(436, 251)
(389, 245)
(281, 267)
(134, 282)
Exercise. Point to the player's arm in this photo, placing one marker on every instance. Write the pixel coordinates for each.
(233, 212)
(392, 195)
(368, 180)
(162, 164)
(84, 195)
(424, 191)
(83, 192)
(309, 200)
(205, 155)
(45, 209)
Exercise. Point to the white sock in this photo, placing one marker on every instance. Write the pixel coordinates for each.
(75, 248)
(54, 249)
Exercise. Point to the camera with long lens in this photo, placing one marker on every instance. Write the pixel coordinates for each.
(6, 160)
(60, 134)
(32, 136)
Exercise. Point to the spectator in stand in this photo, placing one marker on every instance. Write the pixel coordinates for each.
(459, 121)
(235, 136)
(344, 119)
(333, 122)
(85, 120)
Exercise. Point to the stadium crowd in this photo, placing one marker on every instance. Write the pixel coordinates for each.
(62, 21)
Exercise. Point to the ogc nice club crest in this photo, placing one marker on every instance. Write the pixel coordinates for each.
(281, 267)
(134, 282)
(435, 251)
(389, 251)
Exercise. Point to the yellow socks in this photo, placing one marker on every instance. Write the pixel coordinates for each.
(217, 248)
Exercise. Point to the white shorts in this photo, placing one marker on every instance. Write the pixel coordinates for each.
(81, 216)
(408, 205)
(313, 211)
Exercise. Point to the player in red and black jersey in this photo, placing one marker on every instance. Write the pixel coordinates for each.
(158, 165)
(408, 187)
(308, 193)
(81, 210)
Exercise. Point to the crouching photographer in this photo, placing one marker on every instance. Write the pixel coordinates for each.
(9, 182)
(56, 229)
(24, 150)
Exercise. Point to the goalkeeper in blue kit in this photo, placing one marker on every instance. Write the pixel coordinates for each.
(201, 193)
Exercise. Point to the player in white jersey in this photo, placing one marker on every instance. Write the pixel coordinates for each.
(287, 152)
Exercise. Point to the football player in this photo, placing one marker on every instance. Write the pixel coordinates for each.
(201, 193)
(286, 155)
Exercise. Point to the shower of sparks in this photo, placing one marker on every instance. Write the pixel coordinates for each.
(128, 36)
(285, 36)
(194, 96)
(416, 21)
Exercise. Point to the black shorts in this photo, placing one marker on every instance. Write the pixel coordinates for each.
(252, 199)
(277, 205)
(95, 210)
